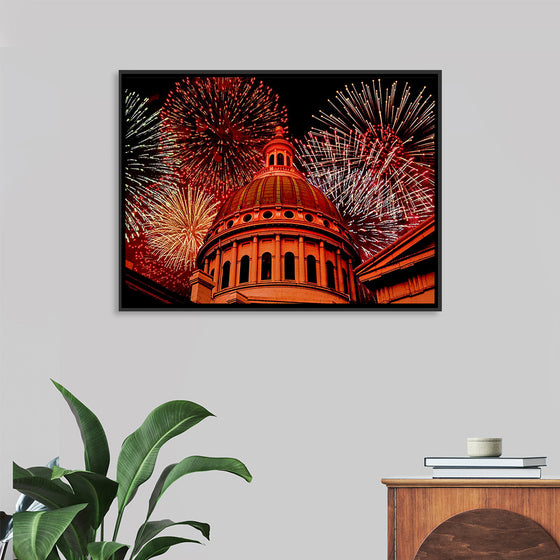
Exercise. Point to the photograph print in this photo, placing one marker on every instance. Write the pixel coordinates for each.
(280, 190)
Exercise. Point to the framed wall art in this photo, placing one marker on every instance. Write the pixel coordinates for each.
(280, 190)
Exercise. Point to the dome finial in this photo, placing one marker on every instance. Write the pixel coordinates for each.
(279, 131)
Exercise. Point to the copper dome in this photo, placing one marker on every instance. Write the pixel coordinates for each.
(286, 190)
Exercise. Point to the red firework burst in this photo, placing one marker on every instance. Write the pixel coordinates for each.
(218, 127)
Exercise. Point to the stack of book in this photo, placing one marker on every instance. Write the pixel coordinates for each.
(485, 467)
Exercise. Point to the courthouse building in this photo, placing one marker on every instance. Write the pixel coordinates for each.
(277, 240)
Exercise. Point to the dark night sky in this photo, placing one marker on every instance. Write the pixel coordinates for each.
(303, 94)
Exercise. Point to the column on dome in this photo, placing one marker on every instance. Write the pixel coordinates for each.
(301, 261)
(206, 265)
(218, 272)
(322, 265)
(276, 276)
(234, 265)
(351, 281)
(254, 260)
(339, 280)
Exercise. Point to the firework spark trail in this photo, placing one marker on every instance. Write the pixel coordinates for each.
(219, 126)
(348, 172)
(401, 124)
(354, 176)
(146, 174)
(401, 127)
(178, 226)
(407, 192)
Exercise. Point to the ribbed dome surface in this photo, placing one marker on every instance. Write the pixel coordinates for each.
(281, 190)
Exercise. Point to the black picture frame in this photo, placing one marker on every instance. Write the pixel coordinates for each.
(409, 260)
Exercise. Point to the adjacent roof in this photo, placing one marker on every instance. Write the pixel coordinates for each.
(415, 246)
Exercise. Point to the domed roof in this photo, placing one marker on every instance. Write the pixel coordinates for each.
(278, 183)
(286, 190)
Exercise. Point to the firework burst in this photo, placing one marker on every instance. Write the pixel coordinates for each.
(374, 157)
(145, 169)
(403, 126)
(347, 171)
(178, 225)
(218, 127)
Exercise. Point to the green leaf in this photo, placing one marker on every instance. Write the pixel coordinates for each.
(96, 448)
(36, 533)
(173, 472)
(53, 555)
(148, 531)
(25, 503)
(65, 551)
(160, 546)
(106, 550)
(54, 494)
(95, 489)
(140, 449)
(19, 471)
(47, 474)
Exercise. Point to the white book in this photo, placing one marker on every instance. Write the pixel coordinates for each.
(467, 462)
(527, 472)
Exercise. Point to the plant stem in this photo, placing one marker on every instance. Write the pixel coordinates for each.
(117, 524)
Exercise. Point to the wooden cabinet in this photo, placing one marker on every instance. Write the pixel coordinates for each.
(498, 519)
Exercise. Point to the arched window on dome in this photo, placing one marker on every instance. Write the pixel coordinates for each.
(288, 160)
(311, 269)
(266, 266)
(244, 269)
(271, 159)
(289, 266)
(212, 273)
(225, 274)
(345, 280)
(280, 159)
(330, 276)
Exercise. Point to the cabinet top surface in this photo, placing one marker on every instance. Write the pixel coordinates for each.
(470, 482)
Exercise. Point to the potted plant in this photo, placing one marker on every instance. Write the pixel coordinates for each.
(78, 501)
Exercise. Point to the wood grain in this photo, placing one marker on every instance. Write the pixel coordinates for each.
(419, 510)
(489, 534)
(391, 524)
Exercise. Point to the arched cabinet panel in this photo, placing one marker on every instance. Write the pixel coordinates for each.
(488, 534)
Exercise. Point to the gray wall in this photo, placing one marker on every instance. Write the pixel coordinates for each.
(319, 406)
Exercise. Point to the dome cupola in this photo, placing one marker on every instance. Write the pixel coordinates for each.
(279, 152)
